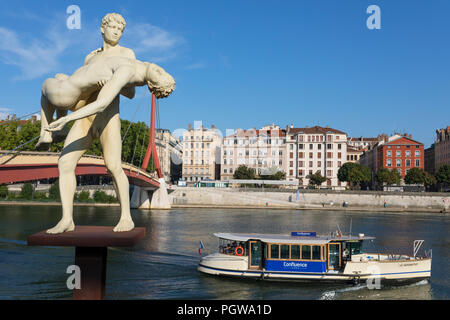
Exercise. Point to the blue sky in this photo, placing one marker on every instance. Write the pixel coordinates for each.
(245, 64)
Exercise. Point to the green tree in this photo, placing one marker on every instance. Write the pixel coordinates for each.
(316, 179)
(244, 173)
(386, 176)
(4, 191)
(27, 191)
(83, 196)
(344, 171)
(443, 174)
(419, 176)
(359, 175)
(53, 192)
(100, 196)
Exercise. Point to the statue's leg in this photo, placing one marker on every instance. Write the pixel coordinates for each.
(111, 141)
(78, 141)
(47, 111)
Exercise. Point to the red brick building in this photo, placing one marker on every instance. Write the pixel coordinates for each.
(401, 154)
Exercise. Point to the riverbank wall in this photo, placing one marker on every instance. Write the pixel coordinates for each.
(310, 199)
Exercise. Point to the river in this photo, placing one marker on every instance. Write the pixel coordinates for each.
(164, 264)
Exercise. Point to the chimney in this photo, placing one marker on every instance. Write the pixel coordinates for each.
(213, 127)
(292, 126)
(189, 126)
(14, 117)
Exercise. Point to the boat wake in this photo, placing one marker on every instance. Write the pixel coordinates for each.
(335, 294)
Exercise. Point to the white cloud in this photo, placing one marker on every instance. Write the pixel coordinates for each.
(4, 112)
(151, 41)
(34, 57)
(198, 65)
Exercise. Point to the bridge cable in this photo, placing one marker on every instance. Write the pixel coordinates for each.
(22, 145)
(142, 148)
(135, 145)
(134, 116)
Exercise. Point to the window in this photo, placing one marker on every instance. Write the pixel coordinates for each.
(300, 146)
(295, 252)
(329, 154)
(399, 163)
(329, 146)
(284, 251)
(408, 153)
(417, 163)
(319, 155)
(306, 252)
(408, 162)
(319, 146)
(311, 146)
(398, 153)
(389, 153)
(319, 164)
(301, 164)
(274, 251)
(310, 155)
(329, 173)
(389, 163)
(339, 146)
(301, 155)
(417, 153)
(316, 252)
(339, 155)
(311, 164)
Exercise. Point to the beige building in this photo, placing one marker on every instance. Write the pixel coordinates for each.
(315, 149)
(201, 154)
(263, 150)
(170, 152)
(442, 148)
(354, 154)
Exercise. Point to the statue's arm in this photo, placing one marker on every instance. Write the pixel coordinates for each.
(105, 97)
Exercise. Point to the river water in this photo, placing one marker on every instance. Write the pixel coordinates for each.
(164, 264)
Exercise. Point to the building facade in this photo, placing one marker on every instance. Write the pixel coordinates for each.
(353, 154)
(442, 148)
(201, 154)
(170, 151)
(315, 149)
(399, 152)
(263, 150)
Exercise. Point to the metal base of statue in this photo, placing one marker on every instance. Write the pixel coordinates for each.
(91, 249)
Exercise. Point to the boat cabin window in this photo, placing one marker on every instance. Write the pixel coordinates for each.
(275, 251)
(355, 247)
(284, 251)
(306, 252)
(230, 246)
(295, 251)
(316, 252)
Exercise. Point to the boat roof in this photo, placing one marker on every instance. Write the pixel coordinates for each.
(288, 238)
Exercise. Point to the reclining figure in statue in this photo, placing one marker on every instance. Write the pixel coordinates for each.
(110, 76)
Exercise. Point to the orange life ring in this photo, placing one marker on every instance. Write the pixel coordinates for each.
(239, 251)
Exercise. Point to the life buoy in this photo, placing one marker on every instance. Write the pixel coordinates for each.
(239, 251)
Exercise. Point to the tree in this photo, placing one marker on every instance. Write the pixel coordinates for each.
(354, 174)
(27, 191)
(443, 174)
(359, 175)
(316, 179)
(244, 173)
(419, 176)
(4, 191)
(53, 192)
(386, 176)
(344, 171)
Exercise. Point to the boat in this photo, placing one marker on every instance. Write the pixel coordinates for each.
(307, 256)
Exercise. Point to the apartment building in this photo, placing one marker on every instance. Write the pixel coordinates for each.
(398, 152)
(442, 148)
(263, 150)
(309, 150)
(170, 151)
(201, 154)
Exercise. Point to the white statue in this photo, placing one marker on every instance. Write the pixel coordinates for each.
(92, 92)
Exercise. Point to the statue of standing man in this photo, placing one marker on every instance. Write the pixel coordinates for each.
(105, 126)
